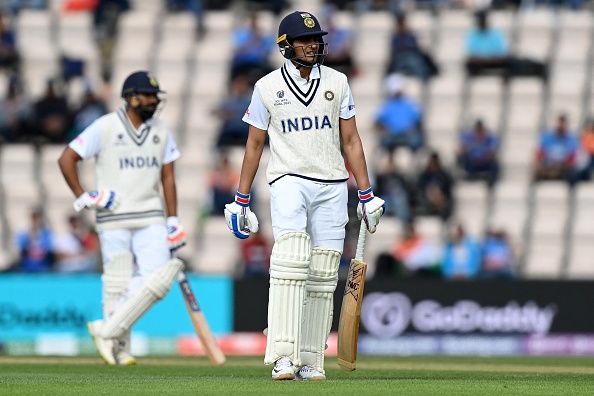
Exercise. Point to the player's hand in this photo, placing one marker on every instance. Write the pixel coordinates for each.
(240, 219)
(176, 235)
(370, 209)
(98, 199)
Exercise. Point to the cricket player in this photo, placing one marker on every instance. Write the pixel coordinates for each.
(308, 112)
(134, 155)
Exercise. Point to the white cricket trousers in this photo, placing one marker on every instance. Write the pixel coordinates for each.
(319, 209)
(148, 245)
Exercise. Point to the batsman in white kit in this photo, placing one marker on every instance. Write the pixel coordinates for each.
(134, 155)
(308, 112)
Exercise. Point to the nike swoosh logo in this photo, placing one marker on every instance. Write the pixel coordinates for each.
(276, 371)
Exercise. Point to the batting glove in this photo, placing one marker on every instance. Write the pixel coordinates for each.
(240, 219)
(370, 209)
(176, 235)
(98, 199)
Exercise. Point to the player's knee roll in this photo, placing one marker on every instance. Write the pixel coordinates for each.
(323, 271)
(159, 282)
(290, 257)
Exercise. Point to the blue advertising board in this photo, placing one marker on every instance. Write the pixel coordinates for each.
(31, 304)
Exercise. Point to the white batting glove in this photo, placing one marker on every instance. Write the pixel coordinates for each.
(176, 235)
(240, 219)
(370, 209)
(98, 199)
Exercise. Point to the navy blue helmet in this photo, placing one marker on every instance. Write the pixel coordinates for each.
(140, 82)
(300, 24)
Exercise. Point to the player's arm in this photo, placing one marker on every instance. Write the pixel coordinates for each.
(176, 235)
(370, 207)
(251, 159)
(169, 188)
(67, 163)
(353, 152)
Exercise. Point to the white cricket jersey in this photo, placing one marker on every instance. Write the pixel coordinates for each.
(302, 120)
(129, 162)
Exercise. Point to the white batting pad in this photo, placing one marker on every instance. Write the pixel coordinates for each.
(322, 279)
(116, 277)
(154, 288)
(288, 272)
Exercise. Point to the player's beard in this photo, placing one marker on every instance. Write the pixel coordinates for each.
(146, 112)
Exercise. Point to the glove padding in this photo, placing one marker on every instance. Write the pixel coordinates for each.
(240, 219)
(97, 199)
(176, 235)
(370, 209)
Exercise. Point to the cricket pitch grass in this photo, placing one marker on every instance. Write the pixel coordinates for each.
(88, 376)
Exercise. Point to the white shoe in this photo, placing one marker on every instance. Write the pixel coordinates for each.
(105, 346)
(125, 359)
(308, 373)
(122, 353)
(283, 369)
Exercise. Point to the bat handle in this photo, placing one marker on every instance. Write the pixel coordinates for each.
(361, 241)
(181, 276)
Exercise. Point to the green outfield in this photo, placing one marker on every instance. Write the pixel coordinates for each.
(248, 376)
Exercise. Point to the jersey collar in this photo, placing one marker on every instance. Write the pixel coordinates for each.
(295, 74)
(304, 91)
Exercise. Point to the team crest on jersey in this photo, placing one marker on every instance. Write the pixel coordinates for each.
(329, 95)
(280, 94)
(156, 139)
(120, 140)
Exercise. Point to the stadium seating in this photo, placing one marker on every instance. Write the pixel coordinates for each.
(549, 224)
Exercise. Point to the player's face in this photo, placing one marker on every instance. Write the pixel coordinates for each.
(306, 48)
(148, 99)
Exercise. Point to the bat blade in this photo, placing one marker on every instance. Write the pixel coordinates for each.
(350, 314)
(208, 340)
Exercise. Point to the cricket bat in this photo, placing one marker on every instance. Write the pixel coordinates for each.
(209, 342)
(350, 312)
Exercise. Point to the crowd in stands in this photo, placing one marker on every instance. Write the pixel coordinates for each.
(562, 154)
(41, 250)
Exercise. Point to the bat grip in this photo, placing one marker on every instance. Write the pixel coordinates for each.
(361, 242)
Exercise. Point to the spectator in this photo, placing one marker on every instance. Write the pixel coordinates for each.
(477, 153)
(91, 108)
(223, 181)
(251, 47)
(234, 131)
(461, 257)
(415, 255)
(585, 156)
(35, 245)
(434, 189)
(51, 116)
(399, 119)
(498, 256)
(340, 44)
(106, 17)
(487, 52)
(15, 111)
(16, 5)
(255, 255)
(9, 55)
(486, 48)
(77, 250)
(556, 154)
(406, 56)
(396, 190)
